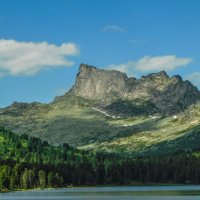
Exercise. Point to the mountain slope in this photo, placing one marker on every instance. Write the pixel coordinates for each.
(107, 111)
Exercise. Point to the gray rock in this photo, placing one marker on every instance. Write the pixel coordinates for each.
(168, 94)
(100, 84)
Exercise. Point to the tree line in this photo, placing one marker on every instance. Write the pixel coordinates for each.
(30, 163)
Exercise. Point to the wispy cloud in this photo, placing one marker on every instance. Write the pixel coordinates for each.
(194, 78)
(114, 28)
(28, 58)
(152, 64)
(157, 63)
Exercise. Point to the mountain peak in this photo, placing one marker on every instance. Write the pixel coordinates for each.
(86, 67)
(92, 69)
(96, 108)
(99, 84)
(161, 74)
(167, 94)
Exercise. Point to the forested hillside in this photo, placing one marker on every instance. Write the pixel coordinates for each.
(30, 163)
(105, 110)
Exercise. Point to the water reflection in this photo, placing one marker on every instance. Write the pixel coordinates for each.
(109, 193)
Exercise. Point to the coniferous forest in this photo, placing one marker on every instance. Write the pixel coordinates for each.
(31, 163)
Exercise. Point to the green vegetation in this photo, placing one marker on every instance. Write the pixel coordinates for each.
(31, 163)
(127, 108)
(153, 135)
(74, 120)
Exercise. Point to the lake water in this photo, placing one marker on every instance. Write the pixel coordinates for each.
(109, 193)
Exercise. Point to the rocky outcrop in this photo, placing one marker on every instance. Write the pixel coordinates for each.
(168, 94)
(100, 84)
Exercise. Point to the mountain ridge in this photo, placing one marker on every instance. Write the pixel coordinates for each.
(128, 123)
(168, 94)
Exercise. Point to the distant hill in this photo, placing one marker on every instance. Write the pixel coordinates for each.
(107, 111)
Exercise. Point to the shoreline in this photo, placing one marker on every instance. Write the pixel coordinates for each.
(96, 186)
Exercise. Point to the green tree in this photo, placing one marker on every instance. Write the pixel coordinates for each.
(50, 179)
(5, 171)
(25, 179)
(42, 179)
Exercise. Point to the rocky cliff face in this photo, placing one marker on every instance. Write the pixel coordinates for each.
(168, 94)
(100, 84)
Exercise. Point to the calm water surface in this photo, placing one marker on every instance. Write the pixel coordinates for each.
(109, 193)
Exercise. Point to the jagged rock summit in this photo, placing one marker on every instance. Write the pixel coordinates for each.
(168, 95)
(100, 84)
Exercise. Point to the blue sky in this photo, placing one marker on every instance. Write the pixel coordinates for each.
(43, 42)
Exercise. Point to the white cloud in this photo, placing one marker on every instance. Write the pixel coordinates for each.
(152, 64)
(114, 28)
(194, 78)
(157, 63)
(28, 58)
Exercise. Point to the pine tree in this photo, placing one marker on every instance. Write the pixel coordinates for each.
(50, 179)
(42, 179)
(25, 179)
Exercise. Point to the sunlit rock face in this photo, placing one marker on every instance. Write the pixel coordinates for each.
(168, 94)
(100, 84)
